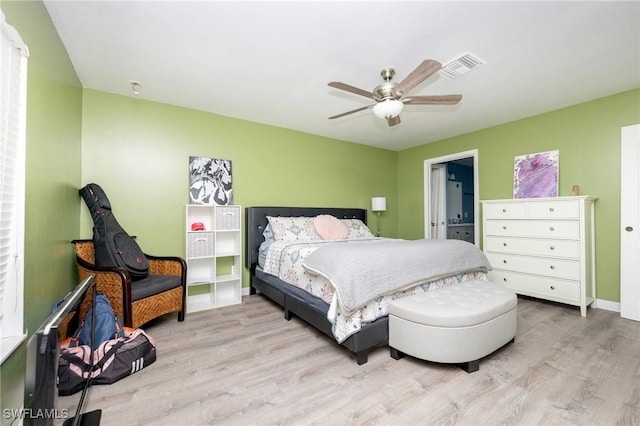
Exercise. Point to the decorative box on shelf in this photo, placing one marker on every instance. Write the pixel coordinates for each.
(213, 254)
(200, 244)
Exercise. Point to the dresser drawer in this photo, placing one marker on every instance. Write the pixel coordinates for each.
(567, 209)
(537, 286)
(556, 268)
(505, 211)
(534, 228)
(515, 245)
(545, 209)
(459, 232)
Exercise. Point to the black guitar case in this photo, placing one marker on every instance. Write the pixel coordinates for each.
(113, 246)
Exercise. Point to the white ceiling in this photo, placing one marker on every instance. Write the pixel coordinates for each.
(270, 62)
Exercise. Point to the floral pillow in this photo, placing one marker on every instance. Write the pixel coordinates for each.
(357, 229)
(293, 228)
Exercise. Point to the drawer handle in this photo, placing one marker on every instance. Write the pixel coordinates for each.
(504, 244)
(504, 210)
(504, 261)
(504, 226)
(504, 279)
(552, 287)
(551, 209)
(553, 267)
(551, 228)
(228, 213)
(552, 247)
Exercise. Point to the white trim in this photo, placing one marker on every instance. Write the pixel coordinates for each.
(10, 344)
(606, 305)
(13, 137)
(13, 36)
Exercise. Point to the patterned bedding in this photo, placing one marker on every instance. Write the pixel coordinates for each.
(284, 260)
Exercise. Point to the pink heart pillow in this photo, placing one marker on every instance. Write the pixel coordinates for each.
(330, 228)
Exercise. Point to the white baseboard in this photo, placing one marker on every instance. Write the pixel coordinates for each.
(607, 305)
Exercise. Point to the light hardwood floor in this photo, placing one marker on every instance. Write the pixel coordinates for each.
(246, 365)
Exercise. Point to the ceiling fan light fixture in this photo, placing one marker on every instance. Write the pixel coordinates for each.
(387, 109)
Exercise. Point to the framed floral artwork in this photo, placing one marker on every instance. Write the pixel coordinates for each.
(210, 181)
(536, 175)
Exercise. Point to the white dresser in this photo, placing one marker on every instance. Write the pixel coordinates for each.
(543, 247)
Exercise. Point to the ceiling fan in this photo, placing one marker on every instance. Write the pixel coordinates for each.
(390, 96)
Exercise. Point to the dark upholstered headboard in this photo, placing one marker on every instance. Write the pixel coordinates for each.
(256, 221)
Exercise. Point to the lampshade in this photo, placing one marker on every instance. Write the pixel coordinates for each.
(388, 108)
(378, 204)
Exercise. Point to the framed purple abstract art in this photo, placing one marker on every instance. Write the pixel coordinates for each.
(536, 175)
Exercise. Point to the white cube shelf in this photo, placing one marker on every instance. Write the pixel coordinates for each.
(213, 255)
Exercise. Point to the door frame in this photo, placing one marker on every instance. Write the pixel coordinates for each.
(476, 190)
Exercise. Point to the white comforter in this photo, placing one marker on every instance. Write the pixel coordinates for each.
(390, 265)
(285, 260)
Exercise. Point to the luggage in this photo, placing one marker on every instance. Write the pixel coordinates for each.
(112, 361)
(113, 246)
(108, 325)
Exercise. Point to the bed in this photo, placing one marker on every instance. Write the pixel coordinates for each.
(367, 328)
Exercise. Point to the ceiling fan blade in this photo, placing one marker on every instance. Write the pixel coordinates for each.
(350, 112)
(351, 89)
(433, 100)
(392, 121)
(426, 69)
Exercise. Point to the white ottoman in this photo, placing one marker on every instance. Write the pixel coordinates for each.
(460, 323)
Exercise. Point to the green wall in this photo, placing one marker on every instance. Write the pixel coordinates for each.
(138, 151)
(54, 107)
(588, 138)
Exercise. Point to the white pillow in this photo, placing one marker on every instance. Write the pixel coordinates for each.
(357, 229)
(294, 228)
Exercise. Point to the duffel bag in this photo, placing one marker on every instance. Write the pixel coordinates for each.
(112, 361)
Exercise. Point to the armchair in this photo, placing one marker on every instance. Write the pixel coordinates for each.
(137, 302)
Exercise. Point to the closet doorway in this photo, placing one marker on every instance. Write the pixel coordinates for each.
(451, 201)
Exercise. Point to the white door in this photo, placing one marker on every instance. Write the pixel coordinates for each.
(630, 223)
(438, 202)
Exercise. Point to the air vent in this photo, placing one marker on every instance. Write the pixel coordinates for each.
(461, 65)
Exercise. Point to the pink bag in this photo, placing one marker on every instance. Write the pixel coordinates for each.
(112, 361)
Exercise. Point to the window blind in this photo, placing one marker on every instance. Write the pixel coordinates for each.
(13, 73)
